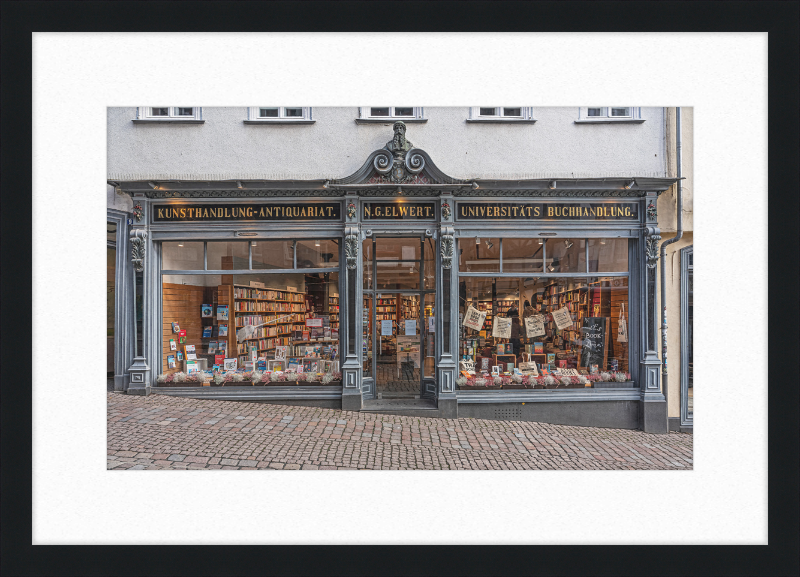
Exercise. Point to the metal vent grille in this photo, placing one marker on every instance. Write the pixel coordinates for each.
(508, 414)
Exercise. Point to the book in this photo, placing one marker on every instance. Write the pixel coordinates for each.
(219, 359)
(593, 369)
(214, 331)
(222, 312)
(171, 361)
(230, 364)
(175, 327)
(538, 348)
(191, 366)
(562, 364)
(182, 340)
(212, 347)
(172, 345)
(551, 358)
(223, 329)
(205, 311)
(207, 331)
(182, 333)
(222, 346)
(501, 349)
(180, 356)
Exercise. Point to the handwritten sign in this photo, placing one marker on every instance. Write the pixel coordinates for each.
(411, 327)
(474, 318)
(386, 328)
(562, 318)
(593, 334)
(534, 326)
(501, 328)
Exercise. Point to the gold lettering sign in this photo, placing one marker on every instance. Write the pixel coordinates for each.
(251, 212)
(547, 211)
(399, 211)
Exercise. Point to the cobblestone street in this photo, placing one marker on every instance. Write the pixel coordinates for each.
(162, 432)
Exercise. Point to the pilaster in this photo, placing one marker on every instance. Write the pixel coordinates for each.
(351, 368)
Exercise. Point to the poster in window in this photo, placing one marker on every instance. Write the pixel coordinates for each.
(622, 329)
(534, 326)
(501, 328)
(280, 353)
(411, 327)
(474, 318)
(386, 328)
(562, 318)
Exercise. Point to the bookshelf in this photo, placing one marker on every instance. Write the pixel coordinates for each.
(255, 306)
(333, 311)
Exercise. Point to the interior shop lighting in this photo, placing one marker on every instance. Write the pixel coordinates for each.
(629, 184)
(316, 243)
(568, 243)
(552, 184)
(477, 240)
(489, 244)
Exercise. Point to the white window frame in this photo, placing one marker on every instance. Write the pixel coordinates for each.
(526, 115)
(365, 115)
(253, 118)
(634, 116)
(145, 114)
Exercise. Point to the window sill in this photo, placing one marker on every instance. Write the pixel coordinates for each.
(281, 121)
(611, 121)
(167, 121)
(388, 121)
(501, 120)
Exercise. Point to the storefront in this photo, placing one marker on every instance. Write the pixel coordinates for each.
(527, 300)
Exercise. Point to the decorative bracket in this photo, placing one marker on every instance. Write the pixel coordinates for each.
(651, 246)
(138, 238)
(447, 246)
(351, 247)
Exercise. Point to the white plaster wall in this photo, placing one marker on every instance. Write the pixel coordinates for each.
(335, 146)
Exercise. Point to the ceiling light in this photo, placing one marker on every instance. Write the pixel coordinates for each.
(628, 185)
(253, 243)
(551, 268)
(180, 244)
(152, 185)
(477, 240)
(602, 241)
(239, 184)
(541, 241)
(316, 243)
(489, 244)
(568, 243)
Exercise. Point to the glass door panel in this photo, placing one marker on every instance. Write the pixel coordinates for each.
(368, 325)
(429, 327)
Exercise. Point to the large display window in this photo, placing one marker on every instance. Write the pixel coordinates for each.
(271, 318)
(545, 330)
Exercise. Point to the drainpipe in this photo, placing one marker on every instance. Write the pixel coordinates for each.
(676, 238)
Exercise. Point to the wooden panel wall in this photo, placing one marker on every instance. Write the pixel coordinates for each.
(182, 303)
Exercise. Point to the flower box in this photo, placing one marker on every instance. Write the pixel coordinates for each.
(516, 386)
(481, 387)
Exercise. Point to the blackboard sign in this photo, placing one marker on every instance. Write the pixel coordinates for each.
(593, 334)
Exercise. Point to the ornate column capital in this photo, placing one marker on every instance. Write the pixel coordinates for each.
(351, 242)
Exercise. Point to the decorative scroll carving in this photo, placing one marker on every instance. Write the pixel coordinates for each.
(652, 211)
(447, 250)
(651, 249)
(138, 238)
(351, 250)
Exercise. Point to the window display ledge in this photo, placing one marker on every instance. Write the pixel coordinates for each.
(247, 392)
(627, 391)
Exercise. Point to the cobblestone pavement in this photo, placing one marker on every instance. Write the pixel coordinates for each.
(162, 432)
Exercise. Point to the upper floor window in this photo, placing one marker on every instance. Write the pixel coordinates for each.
(378, 114)
(192, 114)
(609, 114)
(279, 115)
(501, 114)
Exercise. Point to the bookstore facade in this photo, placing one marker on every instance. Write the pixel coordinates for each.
(528, 300)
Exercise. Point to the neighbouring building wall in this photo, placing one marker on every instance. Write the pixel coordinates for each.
(118, 201)
(223, 147)
(667, 222)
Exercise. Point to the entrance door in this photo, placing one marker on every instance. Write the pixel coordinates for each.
(399, 280)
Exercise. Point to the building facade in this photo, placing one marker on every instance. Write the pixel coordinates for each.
(496, 262)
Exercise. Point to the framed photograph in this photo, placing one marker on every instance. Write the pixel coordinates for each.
(496, 370)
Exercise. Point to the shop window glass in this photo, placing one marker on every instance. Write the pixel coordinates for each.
(429, 263)
(565, 255)
(317, 253)
(366, 253)
(388, 248)
(523, 254)
(225, 255)
(182, 255)
(226, 330)
(608, 254)
(272, 254)
(583, 341)
(398, 275)
(479, 254)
